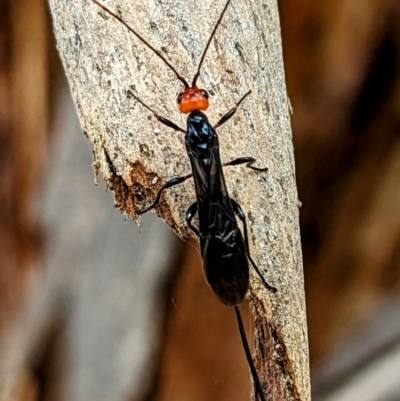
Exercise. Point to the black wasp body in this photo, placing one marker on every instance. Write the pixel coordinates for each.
(221, 242)
(224, 250)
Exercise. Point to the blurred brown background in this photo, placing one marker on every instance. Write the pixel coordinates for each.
(95, 308)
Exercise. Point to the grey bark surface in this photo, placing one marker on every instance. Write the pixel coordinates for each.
(136, 154)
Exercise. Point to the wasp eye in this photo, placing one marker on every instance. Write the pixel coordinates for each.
(205, 93)
(179, 99)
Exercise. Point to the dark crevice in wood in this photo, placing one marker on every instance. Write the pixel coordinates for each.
(131, 199)
(278, 376)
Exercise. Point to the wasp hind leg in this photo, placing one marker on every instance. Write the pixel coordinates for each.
(239, 212)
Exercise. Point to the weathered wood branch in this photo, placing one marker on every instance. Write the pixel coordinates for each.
(136, 154)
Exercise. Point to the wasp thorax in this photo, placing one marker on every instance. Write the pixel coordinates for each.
(193, 99)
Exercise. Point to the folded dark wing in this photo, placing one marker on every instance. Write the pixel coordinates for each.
(226, 267)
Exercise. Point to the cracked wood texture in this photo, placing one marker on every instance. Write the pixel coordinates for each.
(136, 154)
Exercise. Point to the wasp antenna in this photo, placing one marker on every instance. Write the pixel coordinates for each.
(144, 42)
(208, 43)
(131, 94)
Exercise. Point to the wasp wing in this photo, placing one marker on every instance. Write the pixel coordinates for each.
(226, 267)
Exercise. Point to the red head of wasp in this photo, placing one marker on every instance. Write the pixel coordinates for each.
(224, 250)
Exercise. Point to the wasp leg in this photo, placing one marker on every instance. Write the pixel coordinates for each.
(189, 217)
(162, 120)
(239, 212)
(231, 112)
(249, 161)
(172, 182)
